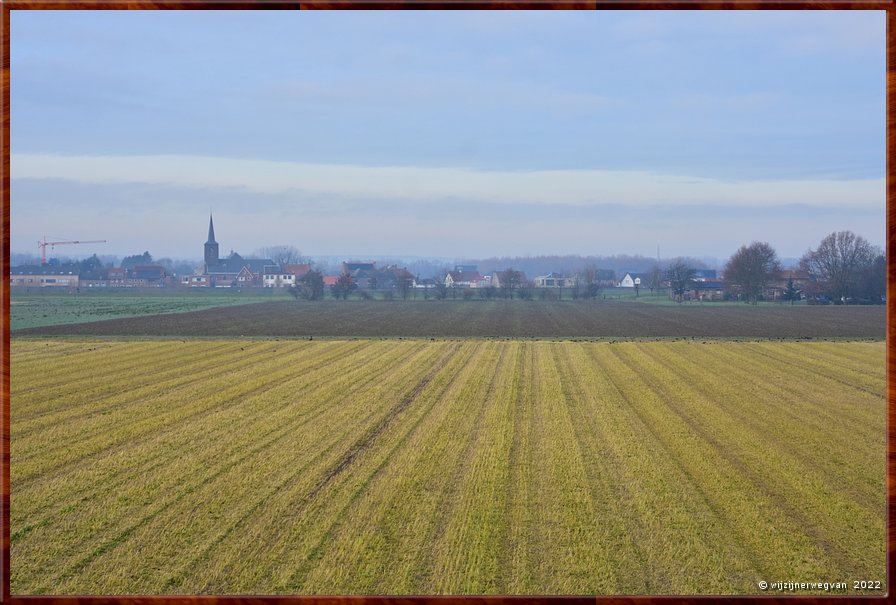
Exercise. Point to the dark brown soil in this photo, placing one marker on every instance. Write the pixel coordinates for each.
(494, 319)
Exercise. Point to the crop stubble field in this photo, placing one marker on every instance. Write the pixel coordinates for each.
(472, 466)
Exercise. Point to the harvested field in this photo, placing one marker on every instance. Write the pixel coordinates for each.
(402, 467)
(495, 319)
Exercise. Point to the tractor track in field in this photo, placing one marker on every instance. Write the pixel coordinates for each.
(757, 426)
(515, 555)
(195, 484)
(538, 467)
(450, 499)
(290, 479)
(797, 516)
(122, 477)
(296, 578)
(601, 476)
(751, 555)
(367, 441)
(790, 390)
(580, 452)
(810, 368)
(180, 379)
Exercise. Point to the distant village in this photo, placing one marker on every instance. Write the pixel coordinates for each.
(363, 278)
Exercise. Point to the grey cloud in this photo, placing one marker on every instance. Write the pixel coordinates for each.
(171, 221)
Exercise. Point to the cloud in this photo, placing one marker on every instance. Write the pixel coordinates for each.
(422, 185)
(172, 221)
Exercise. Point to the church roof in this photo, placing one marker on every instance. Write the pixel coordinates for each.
(235, 265)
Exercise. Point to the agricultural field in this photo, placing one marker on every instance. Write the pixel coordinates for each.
(427, 467)
(494, 319)
(46, 308)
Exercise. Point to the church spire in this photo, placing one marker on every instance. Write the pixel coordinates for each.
(211, 246)
(211, 231)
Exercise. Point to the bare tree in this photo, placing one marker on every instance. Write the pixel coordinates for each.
(511, 280)
(839, 261)
(310, 286)
(751, 269)
(441, 290)
(403, 283)
(872, 282)
(680, 276)
(345, 285)
(591, 275)
(280, 254)
(654, 278)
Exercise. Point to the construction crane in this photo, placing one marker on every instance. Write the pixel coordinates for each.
(43, 246)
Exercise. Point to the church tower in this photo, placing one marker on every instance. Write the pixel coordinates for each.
(211, 246)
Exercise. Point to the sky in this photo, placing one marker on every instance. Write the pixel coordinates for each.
(460, 134)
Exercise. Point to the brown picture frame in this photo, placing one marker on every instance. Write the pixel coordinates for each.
(7, 6)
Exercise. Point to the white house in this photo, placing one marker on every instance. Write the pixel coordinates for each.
(554, 280)
(463, 279)
(276, 278)
(634, 279)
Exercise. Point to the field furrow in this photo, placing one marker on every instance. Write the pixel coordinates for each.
(109, 433)
(680, 531)
(202, 450)
(794, 398)
(757, 518)
(178, 369)
(773, 470)
(569, 524)
(466, 544)
(790, 424)
(378, 532)
(314, 511)
(297, 459)
(325, 525)
(516, 550)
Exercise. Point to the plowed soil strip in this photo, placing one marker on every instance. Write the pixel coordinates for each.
(493, 319)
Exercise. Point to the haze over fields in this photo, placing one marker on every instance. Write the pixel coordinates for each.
(461, 134)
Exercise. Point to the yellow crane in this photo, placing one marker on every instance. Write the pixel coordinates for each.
(43, 245)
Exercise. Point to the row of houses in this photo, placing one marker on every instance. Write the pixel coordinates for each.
(467, 276)
(237, 271)
(70, 276)
(776, 290)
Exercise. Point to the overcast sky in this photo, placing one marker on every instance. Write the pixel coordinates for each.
(454, 134)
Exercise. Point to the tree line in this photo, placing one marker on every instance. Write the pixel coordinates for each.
(843, 268)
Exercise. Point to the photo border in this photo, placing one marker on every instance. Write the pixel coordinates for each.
(6, 6)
